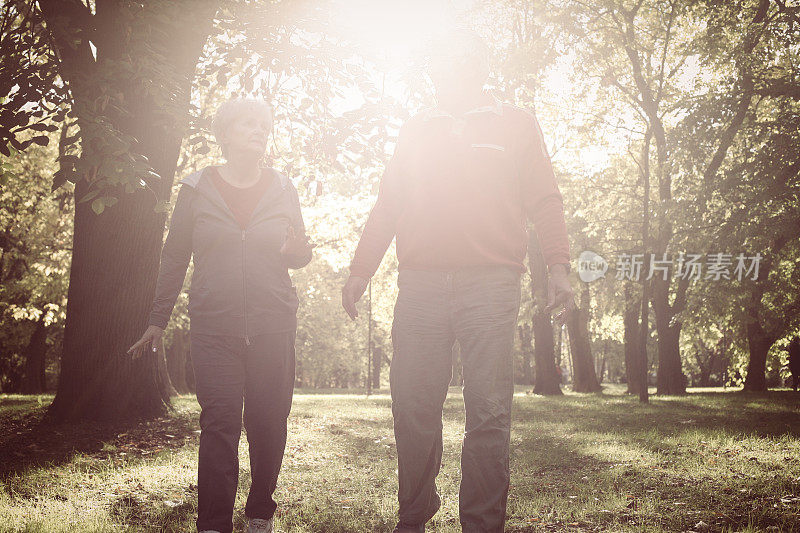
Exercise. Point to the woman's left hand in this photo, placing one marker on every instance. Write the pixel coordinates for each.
(295, 245)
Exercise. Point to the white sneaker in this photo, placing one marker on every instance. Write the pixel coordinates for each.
(259, 525)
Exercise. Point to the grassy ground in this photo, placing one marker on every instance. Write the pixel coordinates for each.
(710, 461)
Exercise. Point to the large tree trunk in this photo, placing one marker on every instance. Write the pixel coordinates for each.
(630, 322)
(584, 378)
(547, 378)
(33, 381)
(116, 254)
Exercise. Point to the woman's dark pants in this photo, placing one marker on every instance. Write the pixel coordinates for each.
(478, 307)
(229, 375)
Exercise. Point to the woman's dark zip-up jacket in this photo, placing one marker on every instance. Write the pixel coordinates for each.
(241, 284)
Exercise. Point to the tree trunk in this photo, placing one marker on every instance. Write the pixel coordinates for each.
(705, 359)
(177, 355)
(759, 345)
(559, 345)
(758, 342)
(526, 345)
(116, 254)
(631, 348)
(602, 371)
(458, 372)
(377, 362)
(190, 372)
(644, 315)
(33, 381)
(547, 379)
(670, 378)
(644, 334)
(584, 378)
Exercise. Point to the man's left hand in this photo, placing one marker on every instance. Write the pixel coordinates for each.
(559, 293)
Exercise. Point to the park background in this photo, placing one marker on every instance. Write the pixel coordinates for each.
(673, 126)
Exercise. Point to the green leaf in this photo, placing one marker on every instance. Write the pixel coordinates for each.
(89, 196)
(17, 145)
(98, 206)
(59, 179)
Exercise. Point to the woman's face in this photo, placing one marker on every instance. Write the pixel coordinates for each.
(248, 134)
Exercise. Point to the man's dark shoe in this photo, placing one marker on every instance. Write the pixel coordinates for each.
(406, 528)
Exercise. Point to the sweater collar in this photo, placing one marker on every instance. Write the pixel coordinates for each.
(194, 178)
(492, 105)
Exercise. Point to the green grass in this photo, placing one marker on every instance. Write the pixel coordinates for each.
(728, 459)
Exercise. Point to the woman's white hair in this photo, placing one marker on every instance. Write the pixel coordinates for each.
(232, 110)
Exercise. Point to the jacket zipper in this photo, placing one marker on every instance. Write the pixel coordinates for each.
(244, 270)
(244, 292)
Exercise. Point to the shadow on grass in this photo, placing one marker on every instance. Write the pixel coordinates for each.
(564, 484)
(565, 464)
(30, 440)
(766, 415)
(141, 514)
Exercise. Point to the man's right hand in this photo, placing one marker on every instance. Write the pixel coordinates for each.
(351, 293)
(151, 337)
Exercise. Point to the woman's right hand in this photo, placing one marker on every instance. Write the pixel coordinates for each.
(152, 337)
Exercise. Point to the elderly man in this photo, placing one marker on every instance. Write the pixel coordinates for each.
(464, 177)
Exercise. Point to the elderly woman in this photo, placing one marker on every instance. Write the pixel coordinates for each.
(242, 223)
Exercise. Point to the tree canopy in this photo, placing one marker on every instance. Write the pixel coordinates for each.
(673, 126)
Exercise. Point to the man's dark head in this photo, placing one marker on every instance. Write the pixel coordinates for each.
(458, 64)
